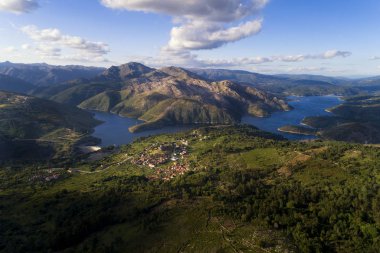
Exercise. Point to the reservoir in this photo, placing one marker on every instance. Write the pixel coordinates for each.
(303, 107)
(114, 130)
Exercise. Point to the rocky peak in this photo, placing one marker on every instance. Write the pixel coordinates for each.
(179, 72)
(125, 71)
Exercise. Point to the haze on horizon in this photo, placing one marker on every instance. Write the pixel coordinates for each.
(336, 38)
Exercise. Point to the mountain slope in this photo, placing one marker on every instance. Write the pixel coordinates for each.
(12, 84)
(27, 122)
(168, 96)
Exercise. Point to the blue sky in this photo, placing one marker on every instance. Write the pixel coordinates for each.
(340, 37)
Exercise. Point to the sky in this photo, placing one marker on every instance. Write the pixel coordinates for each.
(336, 38)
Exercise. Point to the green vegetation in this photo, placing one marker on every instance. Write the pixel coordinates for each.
(244, 191)
(319, 122)
(32, 128)
(298, 130)
(356, 120)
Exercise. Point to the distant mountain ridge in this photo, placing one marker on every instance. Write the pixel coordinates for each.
(46, 75)
(298, 85)
(41, 74)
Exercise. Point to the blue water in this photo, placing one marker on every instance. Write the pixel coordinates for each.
(114, 130)
(303, 107)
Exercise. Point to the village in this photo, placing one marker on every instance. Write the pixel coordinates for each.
(165, 160)
(171, 153)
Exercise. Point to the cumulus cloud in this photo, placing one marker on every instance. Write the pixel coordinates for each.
(18, 6)
(204, 35)
(335, 53)
(375, 58)
(201, 24)
(51, 42)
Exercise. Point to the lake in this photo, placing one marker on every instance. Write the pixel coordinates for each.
(114, 130)
(303, 107)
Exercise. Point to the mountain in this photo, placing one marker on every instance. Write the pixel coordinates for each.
(230, 189)
(282, 85)
(45, 75)
(369, 84)
(11, 84)
(33, 128)
(326, 79)
(124, 72)
(167, 96)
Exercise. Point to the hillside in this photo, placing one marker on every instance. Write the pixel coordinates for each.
(282, 85)
(356, 120)
(231, 189)
(11, 84)
(32, 128)
(46, 75)
(167, 96)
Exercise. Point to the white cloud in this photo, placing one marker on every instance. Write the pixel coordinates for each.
(334, 53)
(45, 50)
(306, 69)
(375, 58)
(18, 6)
(9, 49)
(51, 42)
(204, 35)
(25, 46)
(187, 59)
(201, 24)
(330, 54)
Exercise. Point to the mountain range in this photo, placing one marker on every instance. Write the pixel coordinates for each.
(167, 96)
(284, 85)
(46, 75)
(172, 95)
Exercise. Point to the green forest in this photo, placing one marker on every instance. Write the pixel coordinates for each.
(213, 189)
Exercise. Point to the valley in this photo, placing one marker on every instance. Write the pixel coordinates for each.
(196, 126)
(179, 166)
